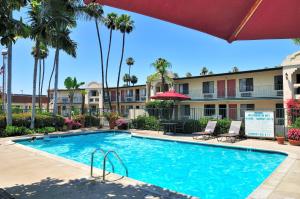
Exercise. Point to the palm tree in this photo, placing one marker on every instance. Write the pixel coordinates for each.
(235, 69)
(188, 74)
(210, 73)
(10, 30)
(204, 71)
(126, 79)
(125, 25)
(110, 23)
(296, 41)
(83, 93)
(72, 85)
(161, 65)
(133, 80)
(130, 62)
(44, 52)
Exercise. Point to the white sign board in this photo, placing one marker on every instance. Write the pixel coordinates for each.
(259, 124)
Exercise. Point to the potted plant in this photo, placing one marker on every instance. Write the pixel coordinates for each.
(280, 138)
(111, 118)
(294, 136)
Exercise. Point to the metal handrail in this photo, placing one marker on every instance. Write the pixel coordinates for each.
(118, 157)
(92, 160)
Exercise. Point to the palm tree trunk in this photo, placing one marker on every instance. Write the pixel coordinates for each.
(128, 84)
(82, 103)
(35, 68)
(102, 64)
(119, 73)
(49, 84)
(55, 108)
(43, 77)
(40, 79)
(9, 80)
(106, 70)
(71, 104)
(163, 83)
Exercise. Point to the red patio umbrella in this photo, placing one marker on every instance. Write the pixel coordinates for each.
(170, 95)
(227, 19)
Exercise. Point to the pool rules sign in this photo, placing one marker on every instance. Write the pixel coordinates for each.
(259, 124)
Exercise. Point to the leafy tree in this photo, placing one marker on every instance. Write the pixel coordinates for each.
(125, 25)
(110, 23)
(188, 74)
(72, 86)
(126, 79)
(133, 80)
(130, 62)
(204, 71)
(161, 65)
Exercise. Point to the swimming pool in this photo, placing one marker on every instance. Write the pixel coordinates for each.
(199, 170)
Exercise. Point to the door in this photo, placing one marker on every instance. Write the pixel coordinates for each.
(223, 110)
(221, 88)
(113, 96)
(122, 96)
(232, 111)
(137, 95)
(231, 88)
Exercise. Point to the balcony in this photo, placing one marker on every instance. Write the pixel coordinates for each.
(261, 91)
(65, 100)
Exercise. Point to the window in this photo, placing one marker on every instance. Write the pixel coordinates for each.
(209, 109)
(298, 78)
(93, 93)
(129, 93)
(246, 107)
(246, 85)
(143, 92)
(278, 82)
(186, 110)
(279, 111)
(64, 108)
(208, 87)
(183, 88)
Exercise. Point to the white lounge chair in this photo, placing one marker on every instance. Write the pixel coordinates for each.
(233, 133)
(208, 132)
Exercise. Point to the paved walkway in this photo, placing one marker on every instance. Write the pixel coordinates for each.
(29, 173)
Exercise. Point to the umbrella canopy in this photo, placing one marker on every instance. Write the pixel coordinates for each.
(227, 19)
(170, 95)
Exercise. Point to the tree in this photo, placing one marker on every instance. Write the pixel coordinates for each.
(72, 86)
(296, 41)
(83, 93)
(44, 52)
(110, 23)
(10, 29)
(235, 69)
(204, 71)
(161, 65)
(176, 75)
(126, 79)
(130, 62)
(210, 73)
(133, 80)
(125, 25)
(188, 74)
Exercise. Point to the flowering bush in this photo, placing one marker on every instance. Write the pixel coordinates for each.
(71, 124)
(293, 110)
(122, 124)
(294, 134)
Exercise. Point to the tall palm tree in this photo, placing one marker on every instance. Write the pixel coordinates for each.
(133, 80)
(161, 66)
(72, 85)
(44, 52)
(296, 41)
(188, 74)
(204, 71)
(125, 25)
(126, 79)
(130, 62)
(110, 23)
(9, 31)
(235, 69)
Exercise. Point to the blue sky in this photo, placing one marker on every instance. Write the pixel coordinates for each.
(188, 51)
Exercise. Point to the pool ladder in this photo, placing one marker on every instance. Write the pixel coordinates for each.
(106, 157)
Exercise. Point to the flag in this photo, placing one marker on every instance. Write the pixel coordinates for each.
(2, 70)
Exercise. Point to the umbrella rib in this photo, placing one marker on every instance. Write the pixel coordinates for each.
(245, 20)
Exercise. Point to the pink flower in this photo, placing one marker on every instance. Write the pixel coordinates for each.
(294, 134)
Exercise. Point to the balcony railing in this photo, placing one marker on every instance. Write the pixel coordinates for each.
(66, 100)
(259, 91)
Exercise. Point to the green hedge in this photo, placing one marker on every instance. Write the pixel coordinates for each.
(160, 109)
(15, 131)
(87, 120)
(146, 123)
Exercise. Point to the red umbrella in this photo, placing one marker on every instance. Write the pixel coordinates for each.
(170, 95)
(228, 19)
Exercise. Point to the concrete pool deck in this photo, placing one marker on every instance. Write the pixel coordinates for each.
(30, 173)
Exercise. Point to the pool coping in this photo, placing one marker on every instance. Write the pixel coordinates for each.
(264, 189)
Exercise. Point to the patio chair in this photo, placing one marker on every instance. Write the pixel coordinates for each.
(208, 132)
(233, 133)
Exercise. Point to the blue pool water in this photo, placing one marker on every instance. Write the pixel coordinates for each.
(199, 170)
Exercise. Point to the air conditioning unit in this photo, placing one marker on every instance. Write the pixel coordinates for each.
(208, 96)
(248, 94)
(279, 93)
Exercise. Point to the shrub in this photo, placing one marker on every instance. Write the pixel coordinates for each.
(46, 130)
(160, 109)
(294, 134)
(191, 126)
(71, 124)
(122, 124)
(16, 131)
(296, 123)
(223, 126)
(87, 120)
(146, 123)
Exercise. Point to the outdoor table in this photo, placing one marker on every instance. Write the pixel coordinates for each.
(168, 126)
